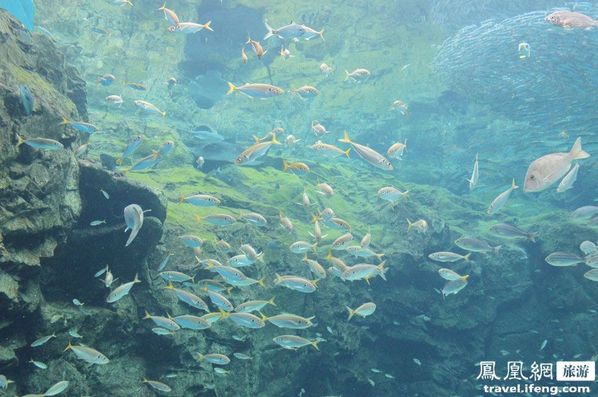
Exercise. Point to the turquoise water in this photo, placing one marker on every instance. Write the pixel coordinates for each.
(320, 198)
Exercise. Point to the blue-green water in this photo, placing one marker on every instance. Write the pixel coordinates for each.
(318, 198)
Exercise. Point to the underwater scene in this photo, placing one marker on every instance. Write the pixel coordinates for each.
(319, 198)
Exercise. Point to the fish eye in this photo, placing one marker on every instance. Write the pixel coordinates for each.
(532, 177)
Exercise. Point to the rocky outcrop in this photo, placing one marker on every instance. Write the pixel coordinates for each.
(48, 249)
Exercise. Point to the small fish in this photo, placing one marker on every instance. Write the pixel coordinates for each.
(165, 148)
(475, 174)
(57, 388)
(391, 194)
(368, 154)
(106, 80)
(329, 150)
(291, 321)
(254, 218)
(375, 370)
(42, 341)
(294, 342)
(473, 244)
(162, 322)
(256, 90)
(154, 384)
(246, 320)
(285, 222)
(292, 31)
(169, 15)
(301, 247)
(324, 189)
(97, 222)
(508, 231)
(27, 100)
(105, 194)
(451, 275)
(364, 272)
(133, 215)
(364, 310)
(342, 242)
(88, 354)
(257, 48)
(80, 126)
(255, 151)
(501, 199)
(543, 345)
(221, 371)
(291, 141)
(177, 277)
(242, 356)
(214, 358)
(201, 200)
(371, 382)
(243, 55)
(164, 262)
(136, 86)
(40, 143)
(220, 301)
(199, 162)
(325, 69)
(115, 100)
(294, 166)
(122, 290)
(74, 333)
(295, 283)
(585, 213)
(254, 305)
(217, 219)
(448, 257)
(357, 75)
(389, 376)
(571, 20)
(39, 364)
(417, 361)
(130, 149)
(188, 321)
(563, 259)
(396, 150)
(421, 226)
(188, 297)
(568, 180)
(548, 169)
(402, 107)
(149, 107)
(453, 287)
(77, 302)
(306, 92)
(366, 240)
(161, 331)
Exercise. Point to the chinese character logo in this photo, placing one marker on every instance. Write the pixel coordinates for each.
(488, 370)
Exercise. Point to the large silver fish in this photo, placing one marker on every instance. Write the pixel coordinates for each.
(134, 220)
(255, 151)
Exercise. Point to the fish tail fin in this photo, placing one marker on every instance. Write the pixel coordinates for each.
(170, 285)
(285, 165)
(382, 270)
(207, 26)
(577, 153)
(345, 137)
(64, 121)
(136, 279)
(271, 301)
(231, 88)
(147, 315)
(347, 75)
(314, 343)
(321, 34)
(20, 140)
(223, 314)
(163, 114)
(466, 257)
(347, 152)
(496, 249)
(270, 31)
(514, 185)
(163, 7)
(181, 199)
(329, 256)
(256, 139)
(464, 278)
(351, 313)
(277, 278)
(274, 141)
(200, 357)
(68, 347)
(409, 224)
(261, 282)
